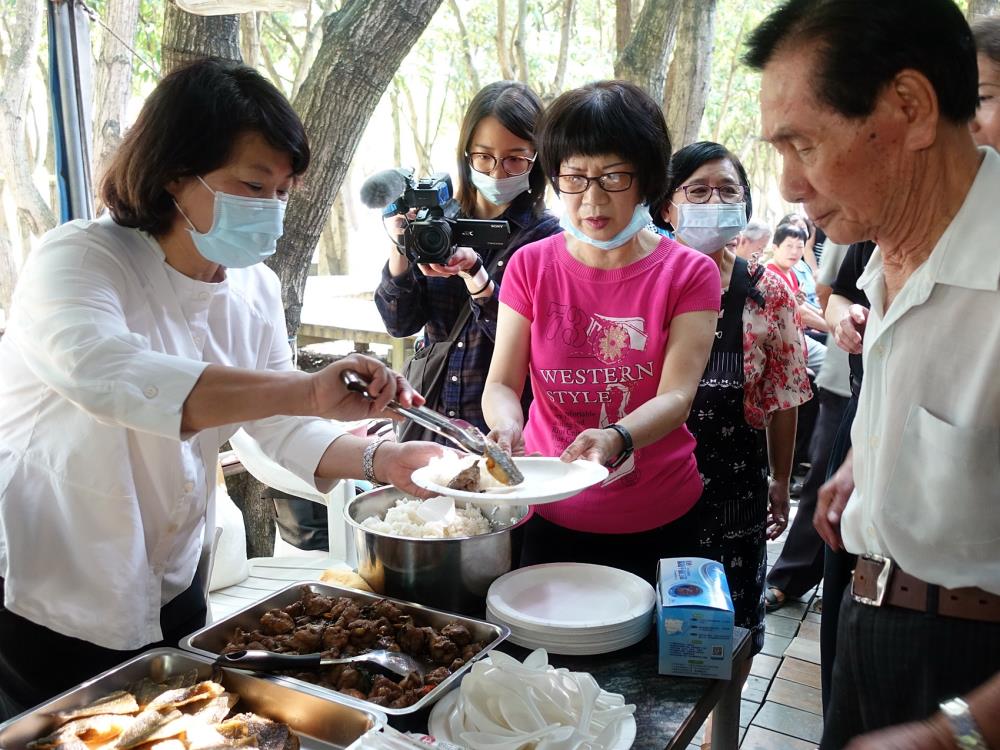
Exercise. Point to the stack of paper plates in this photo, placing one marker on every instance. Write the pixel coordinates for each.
(572, 608)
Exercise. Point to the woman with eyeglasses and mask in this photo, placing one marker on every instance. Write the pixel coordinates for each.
(138, 343)
(744, 410)
(499, 177)
(613, 323)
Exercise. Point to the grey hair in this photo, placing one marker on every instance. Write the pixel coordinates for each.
(756, 230)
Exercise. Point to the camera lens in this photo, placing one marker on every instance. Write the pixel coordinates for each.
(432, 241)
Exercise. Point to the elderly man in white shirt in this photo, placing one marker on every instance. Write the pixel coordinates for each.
(868, 105)
(136, 346)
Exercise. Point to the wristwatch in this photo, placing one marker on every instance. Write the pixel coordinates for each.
(963, 725)
(627, 450)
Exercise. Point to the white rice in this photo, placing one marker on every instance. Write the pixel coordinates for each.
(403, 520)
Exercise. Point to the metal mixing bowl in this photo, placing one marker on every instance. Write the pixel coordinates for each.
(452, 574)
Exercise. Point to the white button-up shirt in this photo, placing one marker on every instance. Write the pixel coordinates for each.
(103, 503)
(927, 432)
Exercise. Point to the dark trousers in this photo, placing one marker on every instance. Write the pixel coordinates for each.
(37, 663)
(800, 566)
(806, 421)
(896, 665)
(638, 553)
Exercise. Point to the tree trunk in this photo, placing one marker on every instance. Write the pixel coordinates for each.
(114, 80)
(623, 25)
(250, 39)
(520, 44)
(470, 66)
(187, 37)
(690, 72)
(503, 53)
(564, 39)
(644, 59)
(734, 63)
(8, 270)
(363, 46)
(422, 148)
(979, 8)
(333, 258)
(34, 215)
(397, 143)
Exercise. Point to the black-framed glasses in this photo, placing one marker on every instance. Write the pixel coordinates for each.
(612, 182)
(512, 165)
(703, 193)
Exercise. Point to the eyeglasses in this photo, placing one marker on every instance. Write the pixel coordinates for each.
(612, 182)
(703, 193)
(514, 166)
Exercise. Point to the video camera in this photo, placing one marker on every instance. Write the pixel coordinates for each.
(435, 232)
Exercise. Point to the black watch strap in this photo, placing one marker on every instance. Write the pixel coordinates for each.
(628, 448)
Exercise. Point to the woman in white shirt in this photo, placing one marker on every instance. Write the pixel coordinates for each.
(137, 345)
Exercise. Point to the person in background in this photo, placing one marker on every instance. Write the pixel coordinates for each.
(868, 105)
(800, 565)
(809, 257)
(985, 125)
(614, 324)
(499, 177)
(753, 239)
(744, 413)
(138, 343)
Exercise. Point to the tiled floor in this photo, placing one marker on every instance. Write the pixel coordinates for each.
(782, 707)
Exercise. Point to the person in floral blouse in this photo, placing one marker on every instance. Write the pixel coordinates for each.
(744, 413)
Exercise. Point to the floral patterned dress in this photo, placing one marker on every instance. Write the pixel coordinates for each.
(756, 368)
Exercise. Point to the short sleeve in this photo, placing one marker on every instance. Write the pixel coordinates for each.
(774, 362)
(519, 279)
(697, 283)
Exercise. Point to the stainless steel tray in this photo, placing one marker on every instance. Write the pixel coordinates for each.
(319, 723)
(212, 639)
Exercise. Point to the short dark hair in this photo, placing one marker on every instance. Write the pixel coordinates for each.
(188, 127)
(784, 231)
(689, 160)
(608, 117)
(518, 109)
(862, 45)
(986, 32)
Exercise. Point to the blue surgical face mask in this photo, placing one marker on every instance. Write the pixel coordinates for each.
(501, 191)
(709, 226)
(640, 218)
(244, 231)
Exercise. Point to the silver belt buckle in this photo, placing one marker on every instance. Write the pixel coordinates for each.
(881, 582)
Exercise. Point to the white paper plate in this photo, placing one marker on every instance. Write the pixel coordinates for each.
(570, 646)
(546, 480)
(570, 596)
(540, 639)
(603, 632)
(437, 724)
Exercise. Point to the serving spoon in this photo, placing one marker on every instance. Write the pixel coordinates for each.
(394, 662)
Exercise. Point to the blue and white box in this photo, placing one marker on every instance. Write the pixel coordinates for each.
(694, 618)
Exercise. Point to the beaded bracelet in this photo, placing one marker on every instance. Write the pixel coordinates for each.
(485, 287)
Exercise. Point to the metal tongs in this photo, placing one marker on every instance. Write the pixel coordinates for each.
(466, 436)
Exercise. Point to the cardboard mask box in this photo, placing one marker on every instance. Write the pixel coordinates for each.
(694, 618)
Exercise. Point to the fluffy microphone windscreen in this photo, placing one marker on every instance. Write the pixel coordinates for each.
(382, 188)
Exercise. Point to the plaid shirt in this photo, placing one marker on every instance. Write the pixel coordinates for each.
(412, 301)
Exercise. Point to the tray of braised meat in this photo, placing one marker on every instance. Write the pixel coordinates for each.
(166, 699)
(340, 622)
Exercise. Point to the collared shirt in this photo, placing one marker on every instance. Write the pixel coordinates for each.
(412, 301)
(927, 432)
(103, 502)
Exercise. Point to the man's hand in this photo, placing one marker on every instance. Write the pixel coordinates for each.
(510, 438)
(777, 507)
(329, 397)
(833, 497)
(934, 734)
(394, 463)
(849, 332)
(600, 446)
(463, 259)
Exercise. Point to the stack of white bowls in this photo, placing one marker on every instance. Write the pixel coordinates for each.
(572, 608)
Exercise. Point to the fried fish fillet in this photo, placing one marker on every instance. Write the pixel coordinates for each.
(184, 695)
(89, 729)
(145, 727)
(118, 702)
(270, 735)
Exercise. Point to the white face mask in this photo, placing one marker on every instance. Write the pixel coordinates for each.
(709, 226)
(244, 231)
(640, 219)
(501, 191)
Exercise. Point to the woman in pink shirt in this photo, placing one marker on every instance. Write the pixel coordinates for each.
(613, 323)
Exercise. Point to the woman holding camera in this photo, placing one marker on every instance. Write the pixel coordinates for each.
(614, 325)
(498, 178)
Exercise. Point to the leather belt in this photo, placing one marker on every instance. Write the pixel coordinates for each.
(878, 582)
